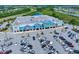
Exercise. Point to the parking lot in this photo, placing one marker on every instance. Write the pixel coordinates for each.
(46, 41)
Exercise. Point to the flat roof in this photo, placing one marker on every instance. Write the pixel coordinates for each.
(33, 19)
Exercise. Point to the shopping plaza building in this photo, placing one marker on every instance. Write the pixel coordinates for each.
(35, 22)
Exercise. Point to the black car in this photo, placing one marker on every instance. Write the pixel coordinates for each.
(33, 37)
(41, 40)
(8, 52)
(44, 45)
(70, 35)
(55, 36)
(30, 46)
(69, 32)
(66, 27)
(50, 47)
(77, 40)
(23, 44)
(76, 51)
(69, 43)
(62, 38)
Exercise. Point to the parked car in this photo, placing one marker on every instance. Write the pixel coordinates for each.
(62, 38)
(55, 36)
(76, 51)
(8, 52)
(33, 37)
(31, 52)
(30, 46)
(69, 44)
